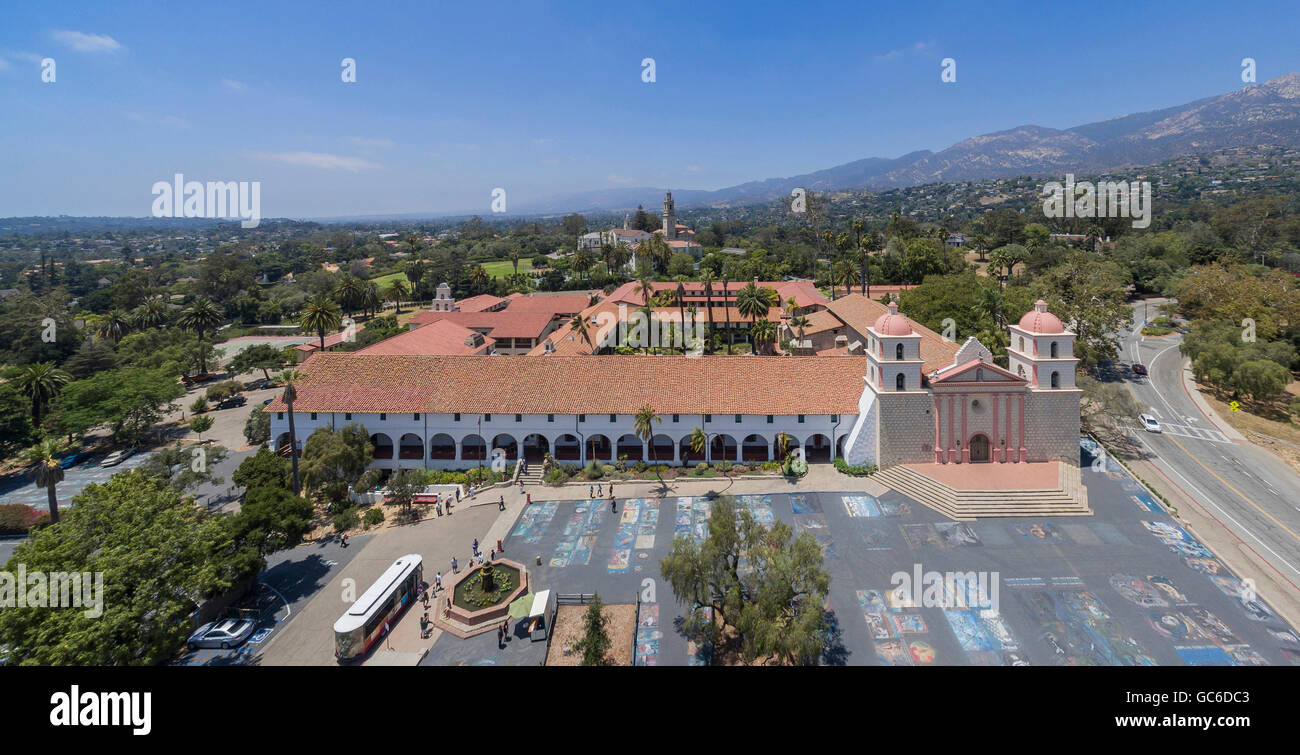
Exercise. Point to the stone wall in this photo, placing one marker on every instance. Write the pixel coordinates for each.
(906, 428)
(1052, 424)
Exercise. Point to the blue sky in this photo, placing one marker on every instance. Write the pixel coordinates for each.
(546, 98)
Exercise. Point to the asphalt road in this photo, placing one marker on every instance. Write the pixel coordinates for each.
(1249, 490)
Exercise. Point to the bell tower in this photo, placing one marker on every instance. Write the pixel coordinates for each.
(670, 217)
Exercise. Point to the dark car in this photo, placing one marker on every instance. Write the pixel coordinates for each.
(72, 460)
(1139, 369)
(232, 401)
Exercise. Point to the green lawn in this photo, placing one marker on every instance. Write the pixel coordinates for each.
(503, 268)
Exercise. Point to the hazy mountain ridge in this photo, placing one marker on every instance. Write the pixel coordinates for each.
(1257, 114)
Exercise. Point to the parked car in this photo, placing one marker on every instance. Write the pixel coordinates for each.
(1149, 423)
(232, 401)
(268, 401)
(117, 457)
(72, 460)
(224, 633)
(1139, 369)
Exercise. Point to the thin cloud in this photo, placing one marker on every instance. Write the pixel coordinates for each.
(4, 65)
(170, 121)
(83, 42)
(368, 143)
(321, 160)
(915, 48)
(232, 85)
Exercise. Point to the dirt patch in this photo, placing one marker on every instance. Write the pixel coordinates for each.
(620, 625)
(1282, 439)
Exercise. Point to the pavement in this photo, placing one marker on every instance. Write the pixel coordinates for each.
(1201, 459)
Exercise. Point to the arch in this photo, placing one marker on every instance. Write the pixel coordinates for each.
(661, 450)
(1054, 350)
(567, 448)
(900, 382)
(536, 446)
(282, 444)
(1020, 370)
(442, 446)
(839, 446)
(383, 446)
(1056, 379)
(1022, 344)
(599, 448)
(979, 448)
(898, 353)
(411, 446)
(630, 446)
(755, 448)
(817, 448)
(507, 442)
(473, 447)
(688, 454)
(722, 447)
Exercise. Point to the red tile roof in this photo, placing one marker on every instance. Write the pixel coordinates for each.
(441, 337)
(564, 304)
(860, 313)
(343, 382)
(479, 303)
(499, 324)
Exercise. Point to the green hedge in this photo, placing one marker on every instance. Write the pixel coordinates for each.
(855, 470)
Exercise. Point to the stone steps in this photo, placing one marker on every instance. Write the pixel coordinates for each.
(1070, 499)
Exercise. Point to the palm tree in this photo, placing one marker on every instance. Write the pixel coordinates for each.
(763, 332)
(783, 444)
(349, 294)
(371, 301)
(843, 272)
(726, 311)
(396, 292)
(753, 301)
(41, 381)
(800, 322)
(681, 311)
(47, 473)
(700, 442)
(289, 396)
(514, 259)
(113, 325)
(579, 325)
(202, 317)
(479, 279)
(414, 273)
(321, 315)
(645, 430)
(706, 277)
(151, 313)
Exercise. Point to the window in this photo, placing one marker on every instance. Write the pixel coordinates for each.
(519, 418)
(347, 416)
(738, 418)
(487, 417)
(416, 416)
(1053, 349)
(550, 418)
(582, 418)
(279, 415)
(900, 382)
(676, 417)
(835, 418)
(769, 419)
(383, 416)
(801, 419)
(708, 418)
(313, 415)
(1056, 380)
(455, 417)
(898, 352)
(1022, 343)
(613, 418)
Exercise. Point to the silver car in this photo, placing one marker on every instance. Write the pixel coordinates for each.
(225, 633)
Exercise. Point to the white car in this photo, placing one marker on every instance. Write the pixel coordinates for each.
(117, 457)
(222, 634)
(1149, 423)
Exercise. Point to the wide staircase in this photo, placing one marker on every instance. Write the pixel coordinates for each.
(531, 474)
(1070, 498)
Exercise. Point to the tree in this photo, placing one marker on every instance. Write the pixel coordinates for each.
(773, 609)
(403, 488)
(265, 468)
(257, 428)
(332, 460)
(129, 401)
(113, 325)
(595, 643)
(753, 301)
(763, 332)
(350, 293)
(289, 396)
(185, 467)
(46, 472)
(395, 293)
(1260, 379)
(41, 381)
(203, 316)
(271, 518)
(707, 278)
(414, 272)
(159, 555)
(644, 427)
(201, 424)
(581, 325)
(321, 315)
(262, 356)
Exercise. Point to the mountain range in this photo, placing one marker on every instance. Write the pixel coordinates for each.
(1257, 114)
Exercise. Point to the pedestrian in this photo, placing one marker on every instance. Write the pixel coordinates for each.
(501, 503)
(476, 545)
(448, 508)
(505, 629)
(611, 490)
(437, 582)
(424, 597)
(457, 494)
(591, 491)
(492, 555)
(454, 568)
(599, 494)
(345, 539)
(501, 637)
(521, 487)
(611, 501)
(439, 509)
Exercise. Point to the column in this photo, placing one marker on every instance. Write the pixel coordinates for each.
(938, 431)
(459, 451)
(952, 453)
(1023, 453)
(965, 439)
(740, 449)
(993, 441)
(1010, 454)
(677, 452)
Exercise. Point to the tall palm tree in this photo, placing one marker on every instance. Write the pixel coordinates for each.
(580, 325)
(349, 293)
(151, 313)
(763, 332)
(644, 426)
(371, 301)
(726, 311)
(396, 292)
(800, 322)
(414, 273)
(47, 473)
(514, 259)
(707, 278)
(479, 279)
(321, 315)
(41, 381)
(290, 395)
(202, 316)
(753, 301)
(700, 442)
(783, 444)
(113, 325)
(842, 272)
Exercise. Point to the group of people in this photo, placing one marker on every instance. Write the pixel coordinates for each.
(597, 491)
(428, 592)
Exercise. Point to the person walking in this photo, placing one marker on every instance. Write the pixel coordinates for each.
(611, 501)
(437, 582)
(591, 491)
(454, 568)
(599, 491)
(501, 503)
(475, 545)
(501, 638)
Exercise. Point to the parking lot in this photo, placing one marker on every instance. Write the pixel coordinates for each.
(1124, 587)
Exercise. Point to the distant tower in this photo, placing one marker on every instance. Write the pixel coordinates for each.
(670, 218)
(627, 222)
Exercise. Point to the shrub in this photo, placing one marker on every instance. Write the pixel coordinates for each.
(854, 470)
(555, 476)
(723, 466)
(346, 519)
(19, 519)
(199, 406)
(374, 516)
(593, 471)
(639, 466)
